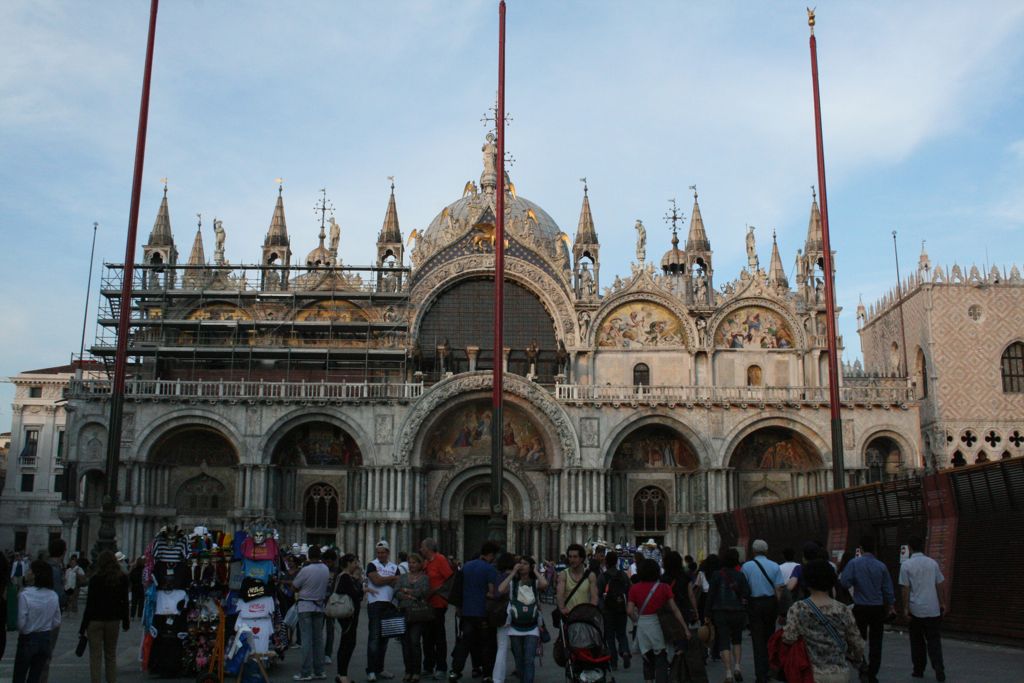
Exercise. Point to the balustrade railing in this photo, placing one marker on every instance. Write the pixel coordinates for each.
(704, 394)
(248, 390)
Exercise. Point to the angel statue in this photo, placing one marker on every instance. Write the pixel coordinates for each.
(335, 236)
(219, 234)
(641, 240)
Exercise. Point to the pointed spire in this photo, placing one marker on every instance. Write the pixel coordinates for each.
(161, 233)
(198, 255)
(776, 275)
(390, 231)
(697, 239)
(277, 235)
(814, 236)
(585, 231)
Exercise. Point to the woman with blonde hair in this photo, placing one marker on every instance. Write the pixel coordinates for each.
(106, 605)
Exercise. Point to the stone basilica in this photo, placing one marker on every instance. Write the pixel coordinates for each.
(350, 403)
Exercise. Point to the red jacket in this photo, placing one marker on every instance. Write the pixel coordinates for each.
(790, 659)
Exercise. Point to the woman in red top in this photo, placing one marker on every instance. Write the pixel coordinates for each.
(646, 597)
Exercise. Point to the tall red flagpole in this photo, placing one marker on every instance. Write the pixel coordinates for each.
(107, 537)
(496, 524)
(838, 465)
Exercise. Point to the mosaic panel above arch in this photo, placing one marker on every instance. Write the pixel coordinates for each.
(654, 447)
(333, 311)
(194, 446)
(465, 432)
(774, 448)
(219, 311)
(318, 444)
(754, 327)
(641, 325)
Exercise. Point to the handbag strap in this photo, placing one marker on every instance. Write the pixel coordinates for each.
(770, 584)
(650, 595)
(840, 642)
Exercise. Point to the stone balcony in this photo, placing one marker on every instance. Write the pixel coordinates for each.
(730, 396)
(235, 391)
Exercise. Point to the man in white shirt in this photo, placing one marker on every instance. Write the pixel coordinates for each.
(920, 577)
(787, 567)
(381, 575)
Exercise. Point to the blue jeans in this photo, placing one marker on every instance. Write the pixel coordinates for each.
(311, 630)
(376, 647)
(34, 650)
(524, 649)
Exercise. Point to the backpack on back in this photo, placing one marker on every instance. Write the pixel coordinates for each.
(615, 592)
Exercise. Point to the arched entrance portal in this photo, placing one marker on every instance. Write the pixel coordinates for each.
(201, 474)
(883, 458)
(773, 463)
(654, 475)
(466, 509)
(314, 481)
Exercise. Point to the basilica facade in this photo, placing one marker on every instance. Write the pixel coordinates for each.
(348, 404)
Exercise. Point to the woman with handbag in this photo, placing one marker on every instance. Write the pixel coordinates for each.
(826, 626)
(349, 584)
(523, 586)
(646, 598)
(411, 592)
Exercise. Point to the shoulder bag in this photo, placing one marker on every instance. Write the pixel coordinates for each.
(556, 615)
(339, 605)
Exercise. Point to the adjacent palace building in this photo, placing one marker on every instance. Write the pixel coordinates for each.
(349, 404)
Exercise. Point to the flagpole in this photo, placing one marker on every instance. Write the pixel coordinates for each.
(88, 293)
(497, 525)
(107, 538)
(838, 465)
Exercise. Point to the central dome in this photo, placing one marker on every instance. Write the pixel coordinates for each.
(467, 211)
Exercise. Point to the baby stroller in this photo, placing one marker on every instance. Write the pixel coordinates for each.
(587, 659)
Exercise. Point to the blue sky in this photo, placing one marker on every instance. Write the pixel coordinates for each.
(922, 106)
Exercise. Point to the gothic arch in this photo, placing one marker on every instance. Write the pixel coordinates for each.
(150, 435)
(790, 422)
(648, 417)
(302, 415)
(911, 455)
(446, 393)
(537, 281)
(614, 302)
(795, 328)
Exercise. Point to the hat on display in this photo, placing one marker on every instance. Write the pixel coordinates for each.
(304, 549)
(119, 556)
(650, 542)
(383, 544)
(252, 588)
(618, 547)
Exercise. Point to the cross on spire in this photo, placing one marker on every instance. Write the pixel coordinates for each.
(280, 185)
(584, 181)
(164, 181)
(673, 216)
(490, 117)
(324, 207)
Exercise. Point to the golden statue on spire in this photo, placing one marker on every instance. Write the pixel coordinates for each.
(810, 18)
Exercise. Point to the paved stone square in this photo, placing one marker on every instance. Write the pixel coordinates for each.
(966, 661)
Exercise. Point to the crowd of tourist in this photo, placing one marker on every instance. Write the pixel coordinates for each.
(684, 619)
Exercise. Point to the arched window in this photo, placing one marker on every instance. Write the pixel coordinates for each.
(321, 507)
(202, 494)
(1013, 369)
(754, 376)
(650, 512)
(641, 375)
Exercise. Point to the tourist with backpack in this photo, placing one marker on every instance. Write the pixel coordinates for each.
(728, 595)
(613, 592)
(523, 587)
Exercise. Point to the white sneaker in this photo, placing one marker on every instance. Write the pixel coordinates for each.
(300, 677)
(327, 659)
(371, 677)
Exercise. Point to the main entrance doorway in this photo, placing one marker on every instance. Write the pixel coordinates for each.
(476, 510)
